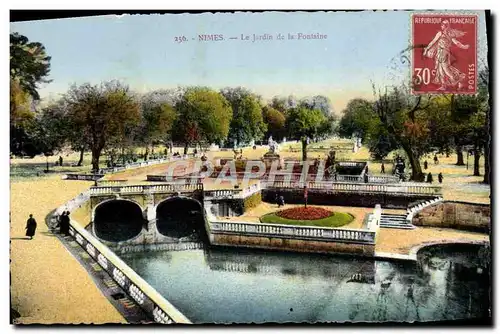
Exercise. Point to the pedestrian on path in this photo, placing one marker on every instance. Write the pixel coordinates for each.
(30, 227)
(382, 168)
(425, 164)
(436, 161)
(440, 177)
(429, 178)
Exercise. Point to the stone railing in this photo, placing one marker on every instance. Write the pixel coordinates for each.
(146, 163)
(104, 183)
(157, 307)
(413, 210)
(405, 188)
(85, 177)
(233, 193)
(383, 179)
(145, 189)
(348, 178)
(293, 231)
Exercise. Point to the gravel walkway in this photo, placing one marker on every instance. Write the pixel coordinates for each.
(48, 285)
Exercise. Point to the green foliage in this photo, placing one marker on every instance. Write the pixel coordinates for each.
(247, 122)
(275, 121)
(358, 119)
(107, 113)
(252, 201)
(336, 220)
(204, 114)
(318, 102)
(29, 64)
(304, 124)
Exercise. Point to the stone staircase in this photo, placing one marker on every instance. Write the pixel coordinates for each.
(395, 221)
(405, 221)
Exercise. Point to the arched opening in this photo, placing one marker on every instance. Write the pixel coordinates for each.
(180, 217)
(118, 220)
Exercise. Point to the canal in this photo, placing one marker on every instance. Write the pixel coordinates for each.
(231, 285)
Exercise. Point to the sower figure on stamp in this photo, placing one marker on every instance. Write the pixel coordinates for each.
(440, 50)
(30, 227)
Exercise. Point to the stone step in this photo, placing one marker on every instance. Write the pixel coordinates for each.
(400, 226)
(392, 216)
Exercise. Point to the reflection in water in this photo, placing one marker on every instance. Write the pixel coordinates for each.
(225, 285)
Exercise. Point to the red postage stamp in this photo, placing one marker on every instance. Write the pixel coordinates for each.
(444, 53)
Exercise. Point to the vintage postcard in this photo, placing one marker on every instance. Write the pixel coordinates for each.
(263, 167)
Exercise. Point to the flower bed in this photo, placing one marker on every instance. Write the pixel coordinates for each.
(303, 213)
(308, 217)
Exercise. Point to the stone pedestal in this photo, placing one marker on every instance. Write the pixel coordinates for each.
(270, 157)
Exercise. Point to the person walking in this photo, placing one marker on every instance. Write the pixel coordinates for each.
(30, 227)
(282, 201)
(382, 168)
(60, 161)
(440, 177)
(436, 160)
(425, 164)
(429, 178)
(62, 222)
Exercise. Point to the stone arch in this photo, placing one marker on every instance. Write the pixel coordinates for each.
(118, 220)
(180, 216)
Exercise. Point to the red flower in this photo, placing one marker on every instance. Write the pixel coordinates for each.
(302, 213)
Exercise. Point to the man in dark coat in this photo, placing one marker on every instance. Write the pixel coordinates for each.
(440, 177)
(429, 178)
(30, 227)
(64, 225)
(425, 164)
(382, 168)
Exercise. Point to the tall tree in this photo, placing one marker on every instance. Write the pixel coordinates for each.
(203, 114)
(275, 121)
(50, 130)
(319, 102)
(105, 112)
(158, 117)
(29, 64)
(304, 124)
(358, 119)
(406, 120)
(247, 122)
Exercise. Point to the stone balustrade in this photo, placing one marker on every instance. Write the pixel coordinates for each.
(145, 189)
(413, 210)
(402, 187)
(139, 290)
(293, 231)
(82, 177)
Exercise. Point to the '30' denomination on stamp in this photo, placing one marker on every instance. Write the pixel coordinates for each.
(444, 54)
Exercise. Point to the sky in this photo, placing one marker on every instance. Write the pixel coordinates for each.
(360, 48)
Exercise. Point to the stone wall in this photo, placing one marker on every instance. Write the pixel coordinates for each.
(296, 245)
(458, 215)
(321, 197)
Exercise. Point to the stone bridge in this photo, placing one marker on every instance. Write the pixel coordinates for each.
(141, 214)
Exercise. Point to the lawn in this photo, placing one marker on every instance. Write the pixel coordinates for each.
(337, 219)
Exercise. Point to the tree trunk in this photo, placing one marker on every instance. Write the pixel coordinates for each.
(477, 156)
(95, 159)
(171, 146)
(460, 156)
(304, 149)
(147, 153)
(80, 161)
(487, 150)
(416, 169)
(123, 155)
(186, 147)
